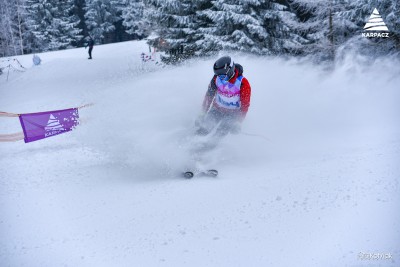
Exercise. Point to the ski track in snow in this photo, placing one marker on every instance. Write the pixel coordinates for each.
(319, 187)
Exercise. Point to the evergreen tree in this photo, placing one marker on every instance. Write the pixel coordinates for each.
(101, 17)
(233, 24)
(176, 23)
(256, 26)
(52, 24)
(280, 35)
(7, 36)
(79, 11)
(323, 27)
(393, 21)
(13, 32)
(135, 15)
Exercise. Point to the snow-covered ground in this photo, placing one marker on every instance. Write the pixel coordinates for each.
(313, 180)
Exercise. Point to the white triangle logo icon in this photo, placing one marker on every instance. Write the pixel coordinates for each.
(53, 126)
(375, 22)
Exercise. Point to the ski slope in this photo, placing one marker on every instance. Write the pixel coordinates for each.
(313, 180)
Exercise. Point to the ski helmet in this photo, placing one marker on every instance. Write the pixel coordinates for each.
(224, 66)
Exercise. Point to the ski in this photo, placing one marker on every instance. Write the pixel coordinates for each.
(208, 173)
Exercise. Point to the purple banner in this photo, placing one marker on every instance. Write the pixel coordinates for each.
(41, 125)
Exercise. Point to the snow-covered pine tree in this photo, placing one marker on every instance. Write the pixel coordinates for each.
(323, 27)
(72, 32)
(177, 24)
(79, 11)
(52, 24)
(7, 36)
(256, 26)
(20, 25)
(13, 30)
(392, 20)
(232, 25)
(135, 14)
(101, 16)
(279, 24)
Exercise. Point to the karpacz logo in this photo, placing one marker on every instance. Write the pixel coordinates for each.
(53, 127)
(375, 34)
(375, 27)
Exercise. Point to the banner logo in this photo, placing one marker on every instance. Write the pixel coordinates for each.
(53, 127)
(41, 125)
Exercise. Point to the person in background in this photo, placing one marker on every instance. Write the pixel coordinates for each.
(90, 44)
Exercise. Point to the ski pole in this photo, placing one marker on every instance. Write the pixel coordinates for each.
(257, 135)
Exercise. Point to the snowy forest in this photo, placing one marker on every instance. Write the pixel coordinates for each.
(187, 28)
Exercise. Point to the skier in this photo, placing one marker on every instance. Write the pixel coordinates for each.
(225, 106)
(90, 44)
(227, 100)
